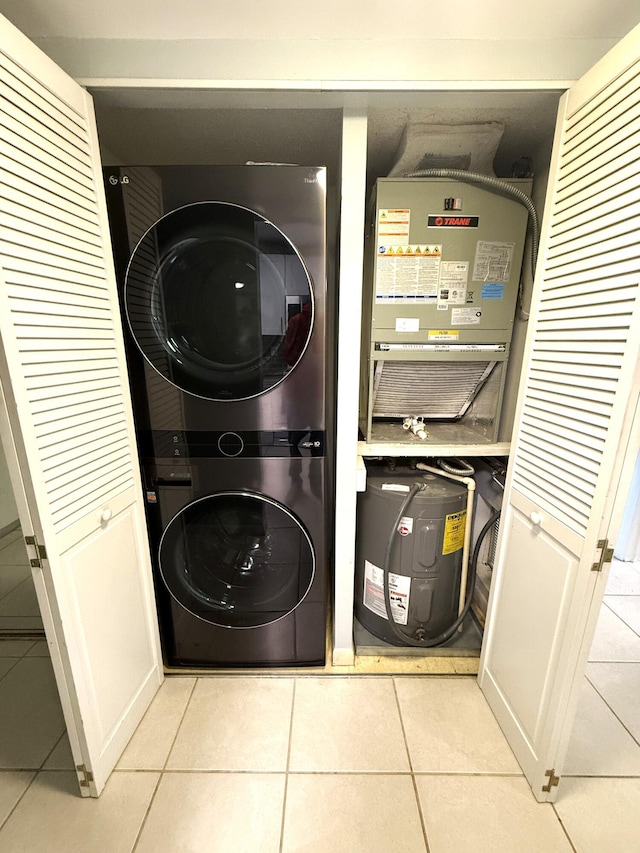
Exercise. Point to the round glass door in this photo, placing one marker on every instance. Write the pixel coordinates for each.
(219, 301)
(236, 560)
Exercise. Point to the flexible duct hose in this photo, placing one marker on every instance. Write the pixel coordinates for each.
(501, 186)
(460, 469)
(450, 631)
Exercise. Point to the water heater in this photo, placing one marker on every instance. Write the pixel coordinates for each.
(444, 259)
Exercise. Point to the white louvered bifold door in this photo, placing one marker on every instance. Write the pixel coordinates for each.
(68, 411)
(579, 389)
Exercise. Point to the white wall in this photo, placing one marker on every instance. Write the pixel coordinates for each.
(357, 41)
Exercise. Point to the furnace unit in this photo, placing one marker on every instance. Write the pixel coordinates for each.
(445, 260)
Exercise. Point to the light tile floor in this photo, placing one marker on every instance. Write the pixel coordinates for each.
(19, 609)
(324, 763)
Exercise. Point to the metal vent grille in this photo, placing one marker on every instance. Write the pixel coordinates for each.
(435, 390)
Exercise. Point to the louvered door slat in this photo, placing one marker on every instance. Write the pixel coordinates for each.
(68, 436)
(40, 222)
(548, 390)
(45, 238)
(34, 105)
(26, 152)
(53, 263)
(31, 133)
(40, 386)
(47, 206)
(616, 210)
(619, 233)
(598, 265)
(600, 104)
(96, 447)
(575, 461)
(602, 187)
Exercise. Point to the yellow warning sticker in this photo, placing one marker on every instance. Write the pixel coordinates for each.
(454, 532)
(443, 335)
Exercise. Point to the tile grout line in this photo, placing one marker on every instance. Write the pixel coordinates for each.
(288, 764)
(143, 822)
(411, 771)
(179, 726)
(621, 618)
(564, 828)
(631, 735)
(161, 773)
(20, 798)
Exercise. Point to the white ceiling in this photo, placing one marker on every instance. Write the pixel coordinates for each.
(331, 19)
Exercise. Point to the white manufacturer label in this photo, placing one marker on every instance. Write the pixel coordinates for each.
(492, 261)
(405, 527)
(407, 324)
(373, 593)
(452, 289)
(465, 316)
(394, 487)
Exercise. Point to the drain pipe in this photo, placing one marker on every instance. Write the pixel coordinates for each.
(470, 483)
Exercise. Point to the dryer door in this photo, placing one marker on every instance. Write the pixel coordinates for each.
(236, 559)
(219, 301)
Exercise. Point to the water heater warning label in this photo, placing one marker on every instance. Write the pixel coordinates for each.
(373, 593)
(454, 527)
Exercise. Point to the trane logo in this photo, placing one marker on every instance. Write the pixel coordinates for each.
(438, 221)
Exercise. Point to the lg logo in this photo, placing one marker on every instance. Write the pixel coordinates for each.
(114, 180)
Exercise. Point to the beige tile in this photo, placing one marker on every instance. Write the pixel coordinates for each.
(235, 724)
(352, 813)
(6, 664)
(21, 601)
(600, 745)
(13, 784)
(619, 686)
(216, 813)
(11, 577)
(67, 823)
(60, 757)
(15, 648)
(31, 719)
(601, 815)
(487, 814)
(14, 553)
(149, 747)
(623, 579)
(347, 724)
(613, 639)
(627, 607)
(40, 649)
(450, 728)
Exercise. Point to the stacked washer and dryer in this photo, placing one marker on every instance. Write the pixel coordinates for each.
(222, 276)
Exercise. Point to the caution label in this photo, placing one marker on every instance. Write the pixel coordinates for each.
(373, 593)
(454, 527)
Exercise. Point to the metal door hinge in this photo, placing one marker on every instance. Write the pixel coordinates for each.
(553, 781)
(40, 550)
(606, 555)
(87, 775)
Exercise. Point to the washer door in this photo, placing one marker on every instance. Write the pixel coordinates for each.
(237, 560)
(219, 301)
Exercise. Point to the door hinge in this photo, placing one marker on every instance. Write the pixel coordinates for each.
(553, 781)
(606, 555)
(87, 775)
(41, 551)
